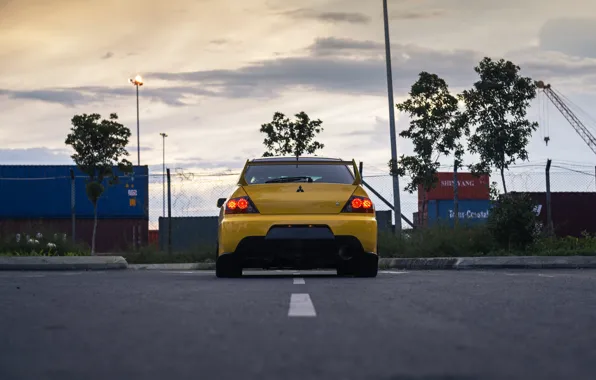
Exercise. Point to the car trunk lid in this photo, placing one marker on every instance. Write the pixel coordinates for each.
(299, 197)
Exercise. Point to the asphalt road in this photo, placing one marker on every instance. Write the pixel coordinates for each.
(402, 325)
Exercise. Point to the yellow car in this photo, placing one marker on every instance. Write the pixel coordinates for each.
(298, 213)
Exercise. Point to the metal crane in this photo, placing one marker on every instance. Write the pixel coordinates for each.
(579, 127)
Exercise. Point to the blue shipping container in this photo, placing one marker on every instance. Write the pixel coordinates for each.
(46, 192)
(470, 212)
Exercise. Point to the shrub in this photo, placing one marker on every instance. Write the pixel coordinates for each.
(512, 222)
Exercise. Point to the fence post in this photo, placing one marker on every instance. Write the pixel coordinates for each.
(169, 212)
(455, 200)
(361, 167)
(549, 217)
(72, 205)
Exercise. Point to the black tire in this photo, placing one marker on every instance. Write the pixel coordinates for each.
(368, 266)
(227, 266)
(345, 268)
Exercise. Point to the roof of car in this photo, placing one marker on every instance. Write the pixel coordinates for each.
(268, 159)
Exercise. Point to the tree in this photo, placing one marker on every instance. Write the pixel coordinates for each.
(99, 146)
(497, 105)
(436, 126)
(285, 137)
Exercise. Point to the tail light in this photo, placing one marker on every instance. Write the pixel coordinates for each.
(240, 205)
(357, 204)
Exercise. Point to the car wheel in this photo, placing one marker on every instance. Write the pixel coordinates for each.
(345, 268)
(227, 266)
(368, 267)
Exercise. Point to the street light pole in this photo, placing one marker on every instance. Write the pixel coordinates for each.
(163, 135)
(138, 132)
(396, 201)
(138, 81)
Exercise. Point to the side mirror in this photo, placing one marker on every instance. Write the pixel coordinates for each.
(220, 202)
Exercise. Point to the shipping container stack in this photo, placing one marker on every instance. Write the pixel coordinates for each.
(572, 212)
(40, 199)
(473, 200)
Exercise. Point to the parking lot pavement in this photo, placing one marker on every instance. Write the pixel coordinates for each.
(309, 325)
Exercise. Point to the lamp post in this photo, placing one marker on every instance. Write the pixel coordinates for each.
(163, 135)
(138, 81)
(396, 201)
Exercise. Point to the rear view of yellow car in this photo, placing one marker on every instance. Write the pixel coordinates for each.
(298, 213)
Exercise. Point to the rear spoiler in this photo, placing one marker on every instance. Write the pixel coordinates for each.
(357, 177)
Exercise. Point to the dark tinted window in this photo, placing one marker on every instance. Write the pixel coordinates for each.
(318, 173)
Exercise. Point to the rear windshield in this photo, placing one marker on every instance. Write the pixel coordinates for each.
(257, 174)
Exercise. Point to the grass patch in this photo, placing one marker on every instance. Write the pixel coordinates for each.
(443, 241)
(439, 241)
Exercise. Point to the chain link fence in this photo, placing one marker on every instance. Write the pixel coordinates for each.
(195, 195)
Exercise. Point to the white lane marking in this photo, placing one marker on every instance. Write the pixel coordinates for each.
(299, 281)
(301, 306)
(187, 272)
(529, 274)
(71, 273)
(393, 272)
(33, 275)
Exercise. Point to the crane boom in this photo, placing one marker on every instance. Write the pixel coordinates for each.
(579, 127)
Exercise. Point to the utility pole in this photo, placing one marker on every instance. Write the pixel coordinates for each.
(138, 81)
(393, 138)
(163, 135)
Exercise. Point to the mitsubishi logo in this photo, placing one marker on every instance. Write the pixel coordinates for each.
(300, 189)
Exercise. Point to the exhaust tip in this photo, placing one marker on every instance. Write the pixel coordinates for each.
(345, 254)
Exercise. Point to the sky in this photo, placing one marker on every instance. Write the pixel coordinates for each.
(215, 70)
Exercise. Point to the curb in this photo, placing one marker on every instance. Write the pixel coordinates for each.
(188, 266)
(62, 263)
(437, 263)
(527, 262)
(423, 263)
(492, 262)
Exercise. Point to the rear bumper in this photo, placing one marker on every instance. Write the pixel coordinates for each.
(302, 260)
(252, 235)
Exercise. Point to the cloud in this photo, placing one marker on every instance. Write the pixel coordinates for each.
(327, 65)
(219, 41)
(417, 15)
(571, 36)
(329, 69)
(108, 55)
(35, 156)
(334, 46)
(71, 97)
(331, 65)
(204, 164)
(574, 73)
(66, 97)
(132, 150)
(333, 17)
